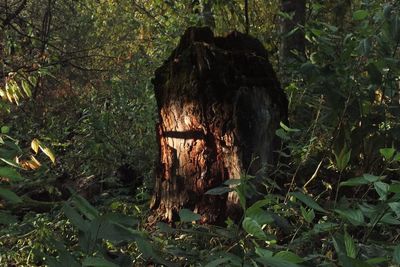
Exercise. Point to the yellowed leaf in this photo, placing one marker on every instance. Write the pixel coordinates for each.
(49, 153)
(35, 145)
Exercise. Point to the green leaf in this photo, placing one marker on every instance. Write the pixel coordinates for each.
(276, 262)
(350, 245)
(10, 173)
(75, 218)
(354, 216)
(85, 207)
(259, 215)
(396, 254)
(289, 256)
(394, 188)
(307, 215)
(26, 88)
(217, 191)
(97, 262)
(355, 182)
(9, 196)
(382, 189)
(387, 153)
(308, 201)
(360, 14)
(218, 262)
(287, 129)
(253, 228)
(188, 216)
(343, 158)
(395, 206)
(263, 252)
(5, 129)
(7, 219)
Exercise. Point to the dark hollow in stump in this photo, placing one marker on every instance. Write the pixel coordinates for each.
(219, 105)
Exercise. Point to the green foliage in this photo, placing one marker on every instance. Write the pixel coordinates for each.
(87, 68)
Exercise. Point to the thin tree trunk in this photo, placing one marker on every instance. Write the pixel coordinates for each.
(292, 43)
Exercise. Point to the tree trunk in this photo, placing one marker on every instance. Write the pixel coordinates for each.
(219, 104)
(292, 41)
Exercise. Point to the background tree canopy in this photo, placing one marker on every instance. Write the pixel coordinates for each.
(78, 140)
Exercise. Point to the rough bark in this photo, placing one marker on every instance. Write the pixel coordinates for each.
(219, 105)
(294, 41)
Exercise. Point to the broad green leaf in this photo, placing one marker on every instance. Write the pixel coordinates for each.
(7, 219)
(395, 206)
(354, 216)
(253, 228)
(308, 201)
(355, 182)
(324, 227)
(382, 189)
(97, 262)
(387, 153)
(343, 158)
(259, 215)
(218, 262)
(394, 188)
(186, 215)
(10, 173)
(219, 190)
(370, 177)
(350, 245)
(396, 254)
(149, 252)
(85, 207)
(9, 195)
(360, 14)
(263, 252)
(289, 256)
(165, 228)
(75, 218)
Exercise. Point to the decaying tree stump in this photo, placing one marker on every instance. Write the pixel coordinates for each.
(219, 105)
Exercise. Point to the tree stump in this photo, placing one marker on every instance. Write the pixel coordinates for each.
(219, 105)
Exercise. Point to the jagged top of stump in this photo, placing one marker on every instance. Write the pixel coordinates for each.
(234, 41)
(229, 63)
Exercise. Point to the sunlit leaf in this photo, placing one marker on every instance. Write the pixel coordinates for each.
(49, 153)
(387, 153)
(35, 145)
(360, 14)
(350, 245)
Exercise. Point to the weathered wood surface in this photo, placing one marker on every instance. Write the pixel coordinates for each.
(219, 105)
